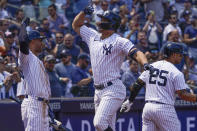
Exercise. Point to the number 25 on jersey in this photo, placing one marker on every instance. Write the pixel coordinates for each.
(158, 77)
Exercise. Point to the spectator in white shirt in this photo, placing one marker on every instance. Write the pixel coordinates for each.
(171, 26)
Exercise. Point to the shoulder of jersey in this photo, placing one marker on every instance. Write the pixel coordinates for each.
(93, 30)
(122, 39)
(167, 65)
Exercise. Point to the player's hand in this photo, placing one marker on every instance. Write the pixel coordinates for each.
(88, 10)
(64, 79)
(149, 67)
(126, 106)
(23, 33)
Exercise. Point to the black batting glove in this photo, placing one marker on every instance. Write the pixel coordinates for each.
(149, 67)
(88, 10)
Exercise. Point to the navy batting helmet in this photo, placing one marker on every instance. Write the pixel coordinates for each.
(113, 21)
(34, 34)
(173, 47)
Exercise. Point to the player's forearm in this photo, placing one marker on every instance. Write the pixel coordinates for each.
(135, 88)
(189, 40)
(78, 21)
(141, 58)
(84, 82)
(184, 95)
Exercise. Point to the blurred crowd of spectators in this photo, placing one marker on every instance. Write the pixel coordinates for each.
(149, 24)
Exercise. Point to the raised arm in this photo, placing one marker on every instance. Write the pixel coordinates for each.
(79, 19)
(139, 56)
(78, 22)
(23, 38)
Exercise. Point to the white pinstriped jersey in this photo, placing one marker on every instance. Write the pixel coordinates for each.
(106, 55)
(163, 83)
(35, 75)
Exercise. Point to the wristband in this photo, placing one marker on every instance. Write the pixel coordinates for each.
(60, 78)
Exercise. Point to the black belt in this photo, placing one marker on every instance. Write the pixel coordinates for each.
(102, 86)
(39, 99)
(156, 102)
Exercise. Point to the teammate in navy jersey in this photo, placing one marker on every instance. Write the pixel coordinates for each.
(161, 88)
(107, 52)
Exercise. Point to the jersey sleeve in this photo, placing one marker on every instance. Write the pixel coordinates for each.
(144, 76)
(87, 33)
(126, 46)
(24, 61)
(179, 82)
(23, 58)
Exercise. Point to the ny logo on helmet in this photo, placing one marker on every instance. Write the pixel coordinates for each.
(107, 50)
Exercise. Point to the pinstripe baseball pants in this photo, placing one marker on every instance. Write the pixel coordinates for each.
(34, 115)
(107, 102)
(160, 117)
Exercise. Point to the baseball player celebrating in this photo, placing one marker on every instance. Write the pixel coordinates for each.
(107, 52)
(161, 88)
(34, 108)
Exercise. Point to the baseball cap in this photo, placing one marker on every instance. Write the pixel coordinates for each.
(84, 56)
(65, 53)
(13, 27)
(186, 12)
(34, 34)
(48, 58)
(9, 34)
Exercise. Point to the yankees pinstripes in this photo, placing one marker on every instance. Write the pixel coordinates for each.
(34, 118)
(107, 102)
(161, 87)
(106, 58)
(34, 112)
(105, 67)
(167, 73)
(160, 117)
(35, 75)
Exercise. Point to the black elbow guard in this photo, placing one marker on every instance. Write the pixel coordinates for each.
(135, 89)
(132, 54)
(24, 47)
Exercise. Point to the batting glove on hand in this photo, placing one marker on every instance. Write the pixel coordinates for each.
(88, 10)
(126, 106)
(149, 67)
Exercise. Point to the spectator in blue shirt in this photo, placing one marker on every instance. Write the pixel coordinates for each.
(56, 88)
(65, 69)
(81, 79)
(45, 28)
(190, 38)
(130, 76)
(69, 45)
(132, 33)
(57, 22)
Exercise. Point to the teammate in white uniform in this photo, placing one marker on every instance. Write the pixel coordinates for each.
(161, 88)
(34, 107)
(107, 52)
